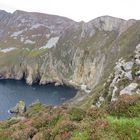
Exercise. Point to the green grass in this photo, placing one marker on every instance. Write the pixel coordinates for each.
(124, 128)
(36, 52)
(123, 120)
(5, 138)
(80, 135)
(8, 123)
(34, 109)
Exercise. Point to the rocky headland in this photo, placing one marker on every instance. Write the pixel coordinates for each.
(100, 57)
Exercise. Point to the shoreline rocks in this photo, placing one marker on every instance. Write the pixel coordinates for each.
(19, 109)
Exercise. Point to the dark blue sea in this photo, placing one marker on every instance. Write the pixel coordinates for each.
(11, 91)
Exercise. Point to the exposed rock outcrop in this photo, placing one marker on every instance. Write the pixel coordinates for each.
(130, 89)
(124, 80)
(19, 109)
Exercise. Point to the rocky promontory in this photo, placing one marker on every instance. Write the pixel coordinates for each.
(100, 57)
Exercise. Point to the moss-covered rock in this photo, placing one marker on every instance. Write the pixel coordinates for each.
(19, 109)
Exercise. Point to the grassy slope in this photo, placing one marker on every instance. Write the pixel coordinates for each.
(62, 123)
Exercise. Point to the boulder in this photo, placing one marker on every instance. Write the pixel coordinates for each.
(138, 47)
(129, 75)
(137, 61)
(129, 89)
(19, 109)
(137, 73)
(100, 101)
(128, 66)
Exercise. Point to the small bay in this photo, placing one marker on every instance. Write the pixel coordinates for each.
(11, 91)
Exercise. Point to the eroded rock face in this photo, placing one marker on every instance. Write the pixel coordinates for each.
(45, 48)
(108, 23)
(137, 56)
(130, 89)
(19, 109)
(125, 79)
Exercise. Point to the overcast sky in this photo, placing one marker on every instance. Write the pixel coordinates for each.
(77, 9)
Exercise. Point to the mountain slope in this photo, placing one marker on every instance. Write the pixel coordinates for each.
(100, 57)
(45, 48)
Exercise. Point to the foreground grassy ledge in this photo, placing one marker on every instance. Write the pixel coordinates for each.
(117, 121)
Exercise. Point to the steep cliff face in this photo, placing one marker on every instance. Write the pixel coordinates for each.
(124, 80)
(45, 48)
(25, 39)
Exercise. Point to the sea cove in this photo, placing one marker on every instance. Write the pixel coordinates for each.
(11, 91)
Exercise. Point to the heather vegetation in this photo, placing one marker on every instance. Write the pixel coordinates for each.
(119, 120)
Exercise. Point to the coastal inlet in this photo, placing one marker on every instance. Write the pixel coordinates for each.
(12, 91)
